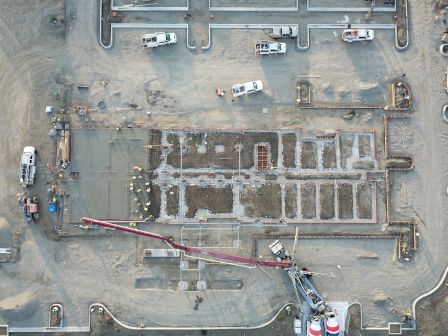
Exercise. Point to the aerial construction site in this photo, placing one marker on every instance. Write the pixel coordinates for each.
(223, 167)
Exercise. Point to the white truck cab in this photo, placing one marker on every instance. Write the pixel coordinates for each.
(153, 40)
(279, 251)
(27, 166)
(356, 35)
(276, 247)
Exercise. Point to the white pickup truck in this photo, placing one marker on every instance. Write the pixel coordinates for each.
(284, 31)
(356, 35)
(269, 47)
(246, 88)
(153, 40)
(27, 166)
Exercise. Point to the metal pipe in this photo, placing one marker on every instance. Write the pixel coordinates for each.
(190, 249)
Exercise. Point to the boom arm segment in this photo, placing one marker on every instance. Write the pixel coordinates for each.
(190, 249)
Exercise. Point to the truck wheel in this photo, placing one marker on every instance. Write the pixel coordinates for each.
(35, 216)
(35, 200)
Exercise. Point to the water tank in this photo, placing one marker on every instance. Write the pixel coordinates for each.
(332, 327)
(314, 328)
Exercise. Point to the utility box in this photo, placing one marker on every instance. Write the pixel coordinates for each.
(49, 110)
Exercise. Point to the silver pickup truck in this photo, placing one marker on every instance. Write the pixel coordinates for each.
(269, 47)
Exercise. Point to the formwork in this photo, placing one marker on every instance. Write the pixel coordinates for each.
(188, 176)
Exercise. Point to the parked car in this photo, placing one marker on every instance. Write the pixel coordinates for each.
(246, 88)
(355, 35)
(153, 40)
(27, 166)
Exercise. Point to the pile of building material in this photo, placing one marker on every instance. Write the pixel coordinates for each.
(63, 150)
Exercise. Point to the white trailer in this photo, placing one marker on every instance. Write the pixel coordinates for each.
(269, 47)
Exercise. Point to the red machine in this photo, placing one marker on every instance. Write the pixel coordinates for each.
(30, 207)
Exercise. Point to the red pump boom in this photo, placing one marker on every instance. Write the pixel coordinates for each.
(190, 249)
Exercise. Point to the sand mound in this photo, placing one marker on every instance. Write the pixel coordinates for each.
(4, 225)
(19, 307)
(379, 297)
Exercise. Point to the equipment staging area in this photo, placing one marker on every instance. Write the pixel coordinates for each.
(326, 163)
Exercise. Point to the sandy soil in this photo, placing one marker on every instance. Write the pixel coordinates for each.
(39, 59)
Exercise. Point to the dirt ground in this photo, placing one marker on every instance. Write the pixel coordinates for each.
(262, 202)
(345, 198)
(52, 46)
(327, 201)
(309, 159)
(200, 149)
(215, 200)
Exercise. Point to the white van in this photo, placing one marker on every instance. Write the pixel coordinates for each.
(27, 166)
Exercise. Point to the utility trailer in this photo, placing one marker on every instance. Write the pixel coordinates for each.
(269, 47)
